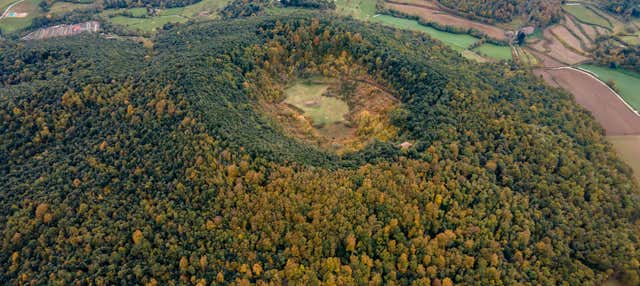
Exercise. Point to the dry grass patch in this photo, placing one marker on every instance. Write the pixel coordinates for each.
(628, 148)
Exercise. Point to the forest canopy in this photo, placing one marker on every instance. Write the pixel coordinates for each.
(539, 12)
(123, 165)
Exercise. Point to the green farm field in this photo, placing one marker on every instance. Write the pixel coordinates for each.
(626, 82)
(586, 15)
(494, 51)
(360, 9)
(66, 7)
(458, 42)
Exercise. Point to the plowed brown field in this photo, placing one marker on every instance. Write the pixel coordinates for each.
(595, 96)
(442, 18)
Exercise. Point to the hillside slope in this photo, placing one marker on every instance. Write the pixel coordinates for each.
(121, 165)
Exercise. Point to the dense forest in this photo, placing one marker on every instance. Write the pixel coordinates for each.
(609, 52)
(124, 165)
(538, 12)
(245, 8)
(625, 8)
(147, 3)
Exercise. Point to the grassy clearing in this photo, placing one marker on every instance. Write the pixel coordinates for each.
(209, 7)
(629, 149)
(323, 110)
(138, 12)
(360, 9)
(626, 82)
(458, 42)
(495, 51)
(586, 15)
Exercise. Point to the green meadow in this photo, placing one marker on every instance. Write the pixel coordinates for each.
(494, 51)
(360, 9)
(309, 97)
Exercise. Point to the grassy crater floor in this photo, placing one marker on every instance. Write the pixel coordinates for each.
(337, 115)
(309, 96)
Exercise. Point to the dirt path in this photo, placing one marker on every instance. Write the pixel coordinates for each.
(6, 11)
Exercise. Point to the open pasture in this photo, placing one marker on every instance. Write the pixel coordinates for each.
(59, 8)
(494, 51)
(309, 97)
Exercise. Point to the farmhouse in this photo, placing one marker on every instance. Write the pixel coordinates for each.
(528, 30)
(405, 145)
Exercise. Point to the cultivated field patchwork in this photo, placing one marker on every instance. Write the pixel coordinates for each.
(444, 19)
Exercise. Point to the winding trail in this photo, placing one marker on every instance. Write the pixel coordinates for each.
(6, 11)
